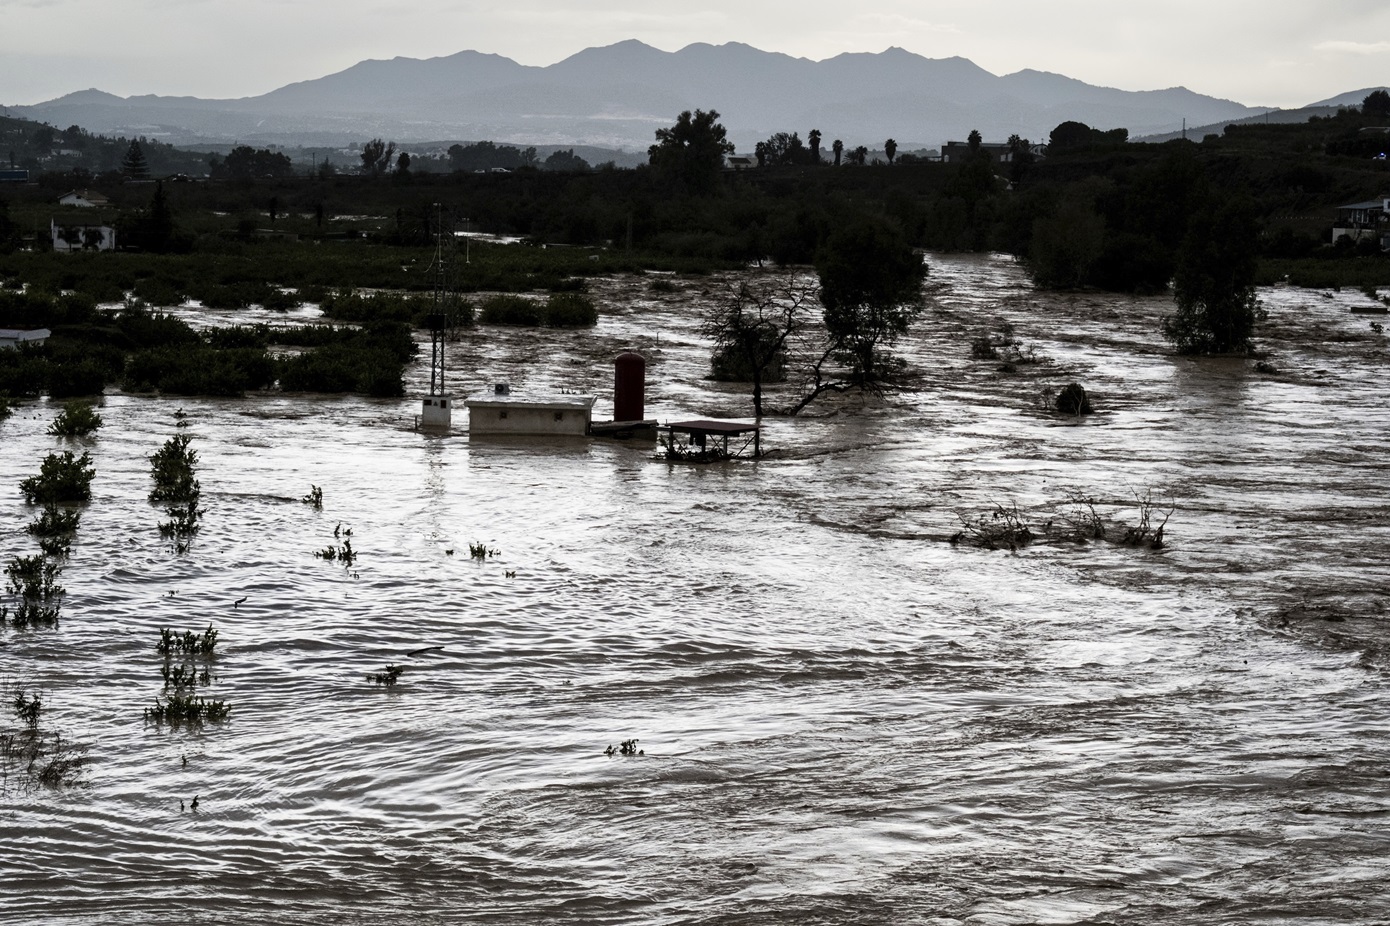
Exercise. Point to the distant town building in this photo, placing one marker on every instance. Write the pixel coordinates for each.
(84, 199)
(80, 236)
(954, 152)
(11, 338)
(1360, 221)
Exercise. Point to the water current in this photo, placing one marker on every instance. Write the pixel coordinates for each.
(843, 717)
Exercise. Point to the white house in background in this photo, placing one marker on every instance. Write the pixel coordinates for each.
(13, 337)
(84, 199)
(740, 162)
(1370, 219)
(77, 236)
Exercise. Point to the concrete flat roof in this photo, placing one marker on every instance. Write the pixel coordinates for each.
(531, 400)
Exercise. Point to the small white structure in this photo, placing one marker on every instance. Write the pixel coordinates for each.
(84, 199)
(13, 337)
(500, 412)
(436, 413)
(76, 236)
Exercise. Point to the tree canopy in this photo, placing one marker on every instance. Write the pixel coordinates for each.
(1214, 283)
(134, 165)
(871, 288)
(691, 152)
(247, 163)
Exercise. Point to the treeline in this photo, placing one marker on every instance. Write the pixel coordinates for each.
(41, 148)
(147, 351)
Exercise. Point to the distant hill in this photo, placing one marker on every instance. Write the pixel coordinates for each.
(1322, 109)
(617, 96)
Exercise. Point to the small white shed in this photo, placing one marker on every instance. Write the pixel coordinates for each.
(556, 414)
(13, 337)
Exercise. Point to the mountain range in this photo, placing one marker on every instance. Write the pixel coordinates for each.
(618, 95)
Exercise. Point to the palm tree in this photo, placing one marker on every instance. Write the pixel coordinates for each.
(839, 148)
(814, 138)
(890, 148)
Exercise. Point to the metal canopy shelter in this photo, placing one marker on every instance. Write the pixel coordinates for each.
(696, 435)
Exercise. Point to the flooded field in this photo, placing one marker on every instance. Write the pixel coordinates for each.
(844, 718)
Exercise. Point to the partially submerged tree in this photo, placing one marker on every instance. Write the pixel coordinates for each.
(752, 327)
(871, 287)
(1214, 286)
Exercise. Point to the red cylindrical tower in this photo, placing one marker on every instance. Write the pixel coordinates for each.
(629, 387)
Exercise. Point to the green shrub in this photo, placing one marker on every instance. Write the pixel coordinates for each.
(158, 292)
(62, 478)
(154, 329)
(77, 419)
(33, 579)
(171, 468)
(570, 310)
(7, 406)
(198, 370)
(507, 309)
(53, 521)
(23, 372)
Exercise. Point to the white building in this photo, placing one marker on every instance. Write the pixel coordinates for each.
(83, 199)
(501, 413)
(77, 236)
(13, 337)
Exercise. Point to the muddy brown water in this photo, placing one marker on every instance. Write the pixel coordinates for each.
(843, 717)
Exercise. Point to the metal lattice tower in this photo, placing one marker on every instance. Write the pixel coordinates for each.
(444, 302)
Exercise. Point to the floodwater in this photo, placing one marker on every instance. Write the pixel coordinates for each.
(843, 717)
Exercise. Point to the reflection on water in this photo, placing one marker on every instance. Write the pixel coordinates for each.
(844, 718)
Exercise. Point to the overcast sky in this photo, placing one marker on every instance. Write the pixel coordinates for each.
(1258, 52)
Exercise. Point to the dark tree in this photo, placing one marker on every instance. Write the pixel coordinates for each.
(813, 138)
(158, 230)
(890, 148)
(691, 152)
(565, 161)
(133, 165)
(485, 155)
(247, 163)
(1376, 103)
(974, 141)
(751, 329)
(871, 289)
(781, 150)
(403, 164)
(838, 147)
(377, 156)
(859, 156)
(1020, 157)
(1214, 282)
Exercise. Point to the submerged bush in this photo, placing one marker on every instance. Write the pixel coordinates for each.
(507, 309)
(570, 310)
(171, 468)
(193, 369)
(62, 478)
(77, 419)
(34, 581)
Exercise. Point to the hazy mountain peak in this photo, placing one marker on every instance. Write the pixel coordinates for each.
(617, 95)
